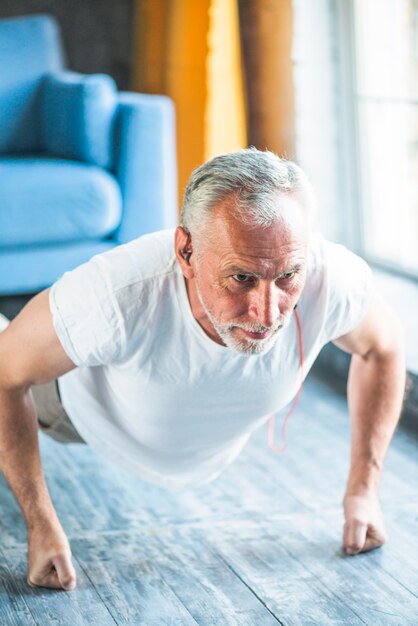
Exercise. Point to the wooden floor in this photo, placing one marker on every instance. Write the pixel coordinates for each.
(259, 546)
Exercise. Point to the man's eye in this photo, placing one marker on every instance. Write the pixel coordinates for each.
(241, 278)
(286, 277)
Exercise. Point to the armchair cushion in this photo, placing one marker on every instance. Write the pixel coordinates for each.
(78, 113)
(82, 167)
(46, 201)
(29, 48)
(145, 164)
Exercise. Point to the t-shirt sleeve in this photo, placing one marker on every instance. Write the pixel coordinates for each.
(349, 284)
(86, 316)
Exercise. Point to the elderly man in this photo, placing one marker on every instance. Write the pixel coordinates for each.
(166, 353)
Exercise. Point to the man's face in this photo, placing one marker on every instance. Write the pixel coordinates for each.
(247, 279)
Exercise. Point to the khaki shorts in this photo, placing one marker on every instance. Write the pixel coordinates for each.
(52, 418)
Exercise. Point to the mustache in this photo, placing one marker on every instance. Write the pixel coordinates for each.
(257, 328)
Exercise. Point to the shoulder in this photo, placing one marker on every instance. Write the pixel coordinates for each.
(335, 265)
(330, 257)
(94, 305)
(145, 258)
(342, 280)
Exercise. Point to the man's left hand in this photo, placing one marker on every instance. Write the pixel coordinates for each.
(364, 527)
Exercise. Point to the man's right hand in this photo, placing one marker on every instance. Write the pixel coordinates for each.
(31, 354)
(49, 558)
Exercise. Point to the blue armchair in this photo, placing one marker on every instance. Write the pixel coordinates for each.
(83, 167)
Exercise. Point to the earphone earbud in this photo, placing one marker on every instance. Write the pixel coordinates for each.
(186, 254)
(186, 251)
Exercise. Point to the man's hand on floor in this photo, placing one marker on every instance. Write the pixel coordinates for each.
(364, 527)
(49, 558)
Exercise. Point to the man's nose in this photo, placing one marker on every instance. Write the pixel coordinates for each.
(264, 306)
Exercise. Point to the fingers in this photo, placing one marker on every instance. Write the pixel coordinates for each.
(49, 579)
(57, 573)
(361, 537)
(375, 539)
(65, 572)
(354, 536)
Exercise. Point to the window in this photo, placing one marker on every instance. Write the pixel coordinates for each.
(386, 102)
(355, 69)
(356, 92)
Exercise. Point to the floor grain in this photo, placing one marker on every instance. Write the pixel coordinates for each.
(259, 546)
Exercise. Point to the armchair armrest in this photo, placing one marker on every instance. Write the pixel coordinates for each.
(78, 113)
(145, 164)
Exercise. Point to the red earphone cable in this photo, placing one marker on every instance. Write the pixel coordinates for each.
(295, 401)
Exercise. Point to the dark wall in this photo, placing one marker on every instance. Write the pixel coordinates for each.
(97, 34)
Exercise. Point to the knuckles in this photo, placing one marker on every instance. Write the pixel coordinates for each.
(353, 548)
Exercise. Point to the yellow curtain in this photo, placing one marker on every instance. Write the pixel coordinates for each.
(190, 51)
(225, 105)
(266, 28)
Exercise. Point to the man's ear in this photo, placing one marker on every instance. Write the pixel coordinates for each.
(183, 249)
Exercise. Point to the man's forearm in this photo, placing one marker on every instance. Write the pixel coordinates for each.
(375, 393)
(19, 456)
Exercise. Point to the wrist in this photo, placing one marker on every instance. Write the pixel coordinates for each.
(42, 516)
(364, 475)
(361, 487)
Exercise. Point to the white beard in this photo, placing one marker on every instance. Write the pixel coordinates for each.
(245, 346)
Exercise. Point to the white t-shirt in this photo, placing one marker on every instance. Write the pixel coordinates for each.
(153, 393)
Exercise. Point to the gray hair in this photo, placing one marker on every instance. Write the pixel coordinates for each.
(255, 178)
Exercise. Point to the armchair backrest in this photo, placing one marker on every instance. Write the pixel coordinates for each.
(30, 47)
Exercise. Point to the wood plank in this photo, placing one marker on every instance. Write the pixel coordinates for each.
(375, 595)
(170, 559)
(13, 608)
(262, 544)
(128, 580)
(49, 606)
(308, 554)
(399, 557)
(207, 586)
(284, 584)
